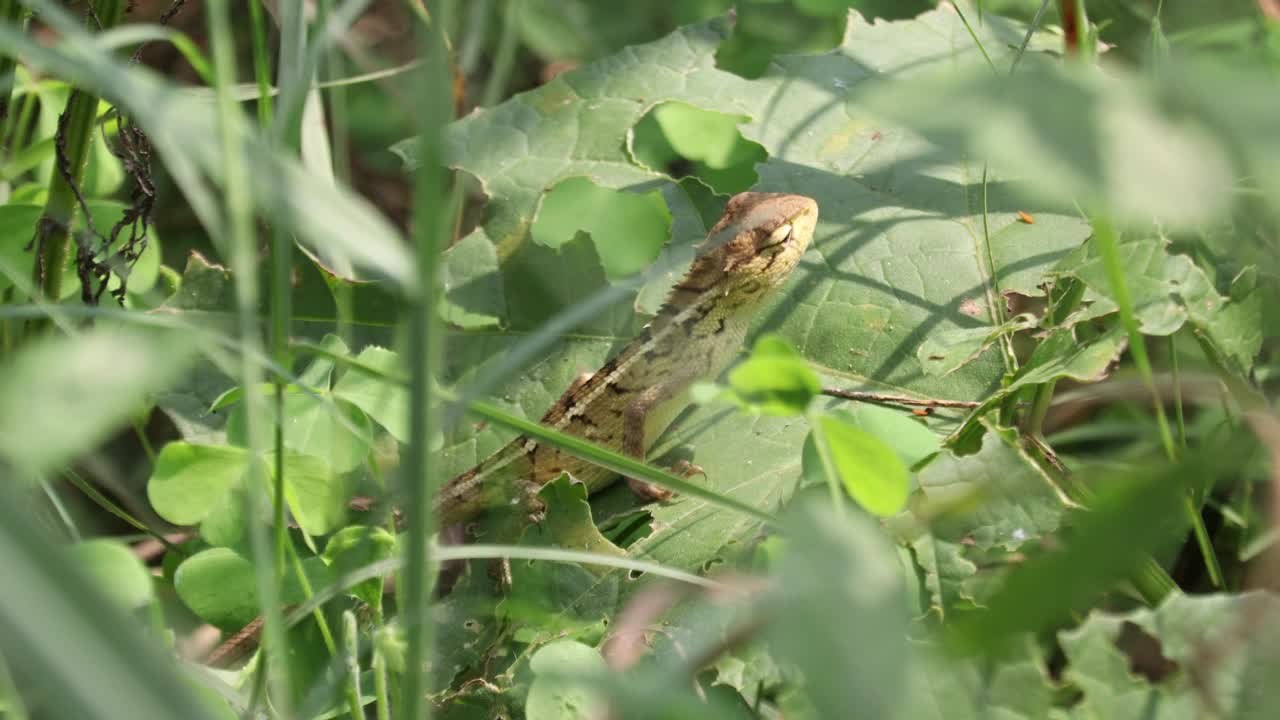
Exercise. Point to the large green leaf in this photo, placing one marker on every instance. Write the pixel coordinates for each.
(1191, 657)
(993, 503)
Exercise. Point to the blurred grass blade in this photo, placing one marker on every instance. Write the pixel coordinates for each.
(419, 474)
(88, 386)
(1135, 512)
(87, 659)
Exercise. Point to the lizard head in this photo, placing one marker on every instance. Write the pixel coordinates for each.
(755, 246)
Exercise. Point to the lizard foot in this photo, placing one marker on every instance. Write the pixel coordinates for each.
(653, 493)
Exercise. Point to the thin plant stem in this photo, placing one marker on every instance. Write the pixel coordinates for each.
(475, 39)
(22, 127)
(76, 130)
(105, 503)
(828, 466)
(1065, 303)
(60, 508)
(1178, 415)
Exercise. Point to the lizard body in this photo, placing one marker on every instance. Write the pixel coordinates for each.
(632, 398)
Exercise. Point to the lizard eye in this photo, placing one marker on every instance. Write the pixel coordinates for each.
(774, 242)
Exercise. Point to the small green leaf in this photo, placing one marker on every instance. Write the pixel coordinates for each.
(700, 134)
(189, 481)
(319, 373)
(218, 585)
(116, 570)
(870, 471)
(911, 439)
(386, 402)
(1059, 355)
(775, 379)
(315, 425)
(568, 521)
(317, 495)
(473, 291)
(193, 484)
(355, 546)
(553, 695)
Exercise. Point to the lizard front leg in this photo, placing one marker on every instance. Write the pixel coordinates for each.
(634, 416)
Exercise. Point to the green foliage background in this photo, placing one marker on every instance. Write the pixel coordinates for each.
(1061, 256)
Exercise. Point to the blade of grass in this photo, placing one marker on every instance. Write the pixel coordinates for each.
(240, 244)
(85, 658)
(1104, 234)
(382, 568)
(419, 470)
(261, 62)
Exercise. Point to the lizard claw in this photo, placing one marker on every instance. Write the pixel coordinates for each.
(649, 492)
(653, 493)
(686, 469)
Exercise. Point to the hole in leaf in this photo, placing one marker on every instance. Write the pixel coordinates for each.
(635, 574)
(685, 141)
(765, 29)
(628, 229)
(1146, 657)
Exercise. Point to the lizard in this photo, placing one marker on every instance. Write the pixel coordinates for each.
(638, 392)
